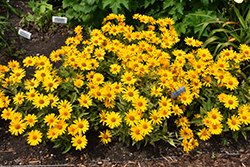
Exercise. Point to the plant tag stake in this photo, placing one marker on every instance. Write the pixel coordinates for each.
(7, 0)
(56, 19)
(177, 93)
(24, 33)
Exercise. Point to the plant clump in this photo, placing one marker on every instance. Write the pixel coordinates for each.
(122, 80)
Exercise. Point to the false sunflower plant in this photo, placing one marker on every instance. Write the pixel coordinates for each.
(122, 81)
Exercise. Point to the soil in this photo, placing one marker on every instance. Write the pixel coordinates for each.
(14, 150)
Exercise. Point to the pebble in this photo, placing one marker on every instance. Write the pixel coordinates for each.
(241, 151)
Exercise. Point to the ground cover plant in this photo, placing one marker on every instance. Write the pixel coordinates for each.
(121, 82)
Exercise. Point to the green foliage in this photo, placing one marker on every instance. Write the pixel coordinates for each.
(42, 17)
(231, 31)
(5, 24)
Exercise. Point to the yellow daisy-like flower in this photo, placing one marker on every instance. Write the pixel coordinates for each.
(130, 93)
(50, 84)
(193, 143)
(186, 132)
(204, 134)
(145, 126)
(183, 121)
(64, 114)
(214, 116)
(215, 129)
(85, 101)
(61, 127)
(17, 127)
(244, 117)
(19, 98)
(31, 84)
(34, 137)
(31, 119)
(234, 123)
(103, 117)
(72, 129)
(53, 99)
(155, 117)
(128, 78)
(31, 94)
(78, 83)
(52, 133)
(165, 103)
(132, 117)
(105, 136)
(41, 101)
(79, 141)
(82, 125)
(16, 116)
(140, 103)
(115, 68)
(136, 133)
(113, 119)
(231, 102)
(51, 120)
(29, 61)
(7, 113)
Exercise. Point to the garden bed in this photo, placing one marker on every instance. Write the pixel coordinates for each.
(14, 150)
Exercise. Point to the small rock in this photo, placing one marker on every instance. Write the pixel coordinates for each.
(241, 150)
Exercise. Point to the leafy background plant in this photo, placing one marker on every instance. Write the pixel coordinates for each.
(5, 24)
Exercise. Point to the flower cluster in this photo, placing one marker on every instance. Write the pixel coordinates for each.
(122, 80)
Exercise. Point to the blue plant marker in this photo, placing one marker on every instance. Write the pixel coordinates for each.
(177, 93)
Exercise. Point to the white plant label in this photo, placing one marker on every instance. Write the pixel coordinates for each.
(56, 19)
(24, 33)
(7, 0)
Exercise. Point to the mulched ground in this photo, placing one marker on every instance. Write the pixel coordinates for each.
(14, 150)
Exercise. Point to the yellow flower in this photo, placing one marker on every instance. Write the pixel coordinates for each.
(113, 119)
(31, 119)
(72, 129)
(231, 82)
(82, 125)
(50, 84)
(79, 141)
(29, 61)
(52, 133)
(31, 94)
(186, 132)
(165, 103)
(13, 64)
(98, 79)
(140, 103)
(155, 117)
(41, 101)
(34, 137)
(193, 143)
(19, 98)
(130, 93)
(51, 120)
(132, 117)
(7, 113)
(145, 126)
(60, 127)
(244, 117)
(234, 123)
(156, 91)
(214, 116)
(105, 136)
(31, 84)
(231, 102)
(115, 68)
(103, 117)
(64, 113)
(128, 78)
(215, 129)
(17, 127)
(85, 101)
(53, 99)
(204, 134)
(136, 133)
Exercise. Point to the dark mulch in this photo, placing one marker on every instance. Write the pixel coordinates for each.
(14, 150)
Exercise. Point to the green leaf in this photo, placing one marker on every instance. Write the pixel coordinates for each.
(68, 147)
(90, 2)
(67, 3)
(242, 22)
(30, 17)
(244, 135)
(167, 4)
